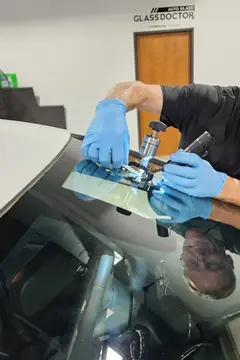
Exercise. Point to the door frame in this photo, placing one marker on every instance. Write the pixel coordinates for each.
(168, 31)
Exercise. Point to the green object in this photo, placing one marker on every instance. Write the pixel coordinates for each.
(8, 80)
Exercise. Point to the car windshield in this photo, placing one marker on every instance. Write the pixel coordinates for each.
(89, 270)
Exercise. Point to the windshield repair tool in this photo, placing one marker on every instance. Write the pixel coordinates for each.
(200, 146)
(139, 172)
(150, 144)
(141, 176)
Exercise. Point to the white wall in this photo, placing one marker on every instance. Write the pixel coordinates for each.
(217, 51)
(73, 52)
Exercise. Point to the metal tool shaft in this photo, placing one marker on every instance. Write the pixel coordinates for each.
(149, 147)
(150, 144)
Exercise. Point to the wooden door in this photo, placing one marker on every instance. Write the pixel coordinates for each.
(163, 58)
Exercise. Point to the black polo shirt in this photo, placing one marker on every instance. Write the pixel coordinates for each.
(196, 108)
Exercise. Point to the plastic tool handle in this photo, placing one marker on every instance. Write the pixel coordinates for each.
(200, 146)
(157, 126)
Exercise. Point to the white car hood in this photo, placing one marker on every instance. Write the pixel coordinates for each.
(27, 151)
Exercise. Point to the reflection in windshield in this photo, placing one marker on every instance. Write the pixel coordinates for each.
(89, 181)
(88, 167)
(145, 309)
(178, 206)
(207, 268)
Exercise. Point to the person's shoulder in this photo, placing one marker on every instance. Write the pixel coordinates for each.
(207, 94)
(216, 95)
(228, 91)
(232, 91)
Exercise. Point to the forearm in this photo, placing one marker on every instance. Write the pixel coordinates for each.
(225, 213)
(230, 192)
(137, 95)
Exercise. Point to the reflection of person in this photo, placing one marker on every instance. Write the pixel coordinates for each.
(180, 207)
(207, 268)
(191, 109)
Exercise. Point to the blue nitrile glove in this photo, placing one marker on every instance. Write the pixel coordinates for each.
(180, 207)
(107, 139)
(197, 179)
(87, 167)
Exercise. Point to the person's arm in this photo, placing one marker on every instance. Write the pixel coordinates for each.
(230, 192)
(137, 95)
(178, 104)
(225, 213)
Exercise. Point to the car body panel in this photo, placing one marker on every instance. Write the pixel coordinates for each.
(26, 152)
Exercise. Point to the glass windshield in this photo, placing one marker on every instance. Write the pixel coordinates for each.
(121, 188)
(89, 270)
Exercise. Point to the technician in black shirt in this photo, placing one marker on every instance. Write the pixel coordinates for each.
(192, 109)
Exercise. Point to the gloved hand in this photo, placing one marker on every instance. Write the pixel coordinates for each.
(87, 167)
(107, 139)
(180, 207)
(197, 179)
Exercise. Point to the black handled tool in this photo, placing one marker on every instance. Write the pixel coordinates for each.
(200, 146)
